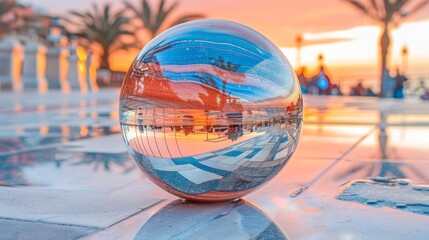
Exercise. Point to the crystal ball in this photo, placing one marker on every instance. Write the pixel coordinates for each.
(210, 110)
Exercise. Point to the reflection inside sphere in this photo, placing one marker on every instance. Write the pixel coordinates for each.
(210, 110)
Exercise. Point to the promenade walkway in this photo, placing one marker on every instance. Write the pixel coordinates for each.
(361, 171)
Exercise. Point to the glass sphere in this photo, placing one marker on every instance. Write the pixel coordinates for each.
(210, 110)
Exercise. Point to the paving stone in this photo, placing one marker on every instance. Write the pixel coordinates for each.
(74, 208)
(199, 176)
(12, 229)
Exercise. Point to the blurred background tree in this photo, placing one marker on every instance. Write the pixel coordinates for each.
(13, 17)
(102, 29)
(388, 13)
(155, 19)
(7, 15)
(105, 30)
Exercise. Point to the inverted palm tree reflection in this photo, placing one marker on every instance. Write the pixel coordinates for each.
(12, 166)
(104, 160)
(41, 146)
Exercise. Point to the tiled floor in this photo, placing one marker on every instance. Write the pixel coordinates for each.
(65, 174)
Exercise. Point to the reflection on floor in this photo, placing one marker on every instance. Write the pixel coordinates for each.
(229, 220)
(14, 166)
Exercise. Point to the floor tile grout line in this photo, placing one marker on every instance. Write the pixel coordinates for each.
(99, 230)
(96, 229)
(50, 223)
(138, 212)
(337, 160)
(58, 146)
(30, 149)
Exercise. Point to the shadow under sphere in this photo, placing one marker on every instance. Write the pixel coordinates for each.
(227, 220)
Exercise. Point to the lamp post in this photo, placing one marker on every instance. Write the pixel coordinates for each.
(404, 54)
(56, 32)
(298, 43)
(321, 59)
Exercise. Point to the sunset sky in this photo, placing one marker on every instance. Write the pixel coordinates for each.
(347, 38)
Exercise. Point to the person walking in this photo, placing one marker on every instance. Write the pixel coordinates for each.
(399, 84)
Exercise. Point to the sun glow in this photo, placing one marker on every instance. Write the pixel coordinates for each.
(358, 48)
(349, 54)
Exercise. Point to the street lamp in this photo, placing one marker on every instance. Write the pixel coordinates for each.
(56, 32)
(404, 54)
(298, 42)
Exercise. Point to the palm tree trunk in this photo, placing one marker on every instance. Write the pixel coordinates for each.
(223, 86)
(104, 60)
(384, 50)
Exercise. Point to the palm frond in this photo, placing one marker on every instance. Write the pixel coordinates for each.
(146, 13)
(363, 9)
(186, 18)
(102, 27)
(154, 19)
(416, 8)
(377, 9)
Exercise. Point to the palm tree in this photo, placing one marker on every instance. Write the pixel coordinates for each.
(21, 19)
(387, 13)
(104, 29)
(153, 22)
